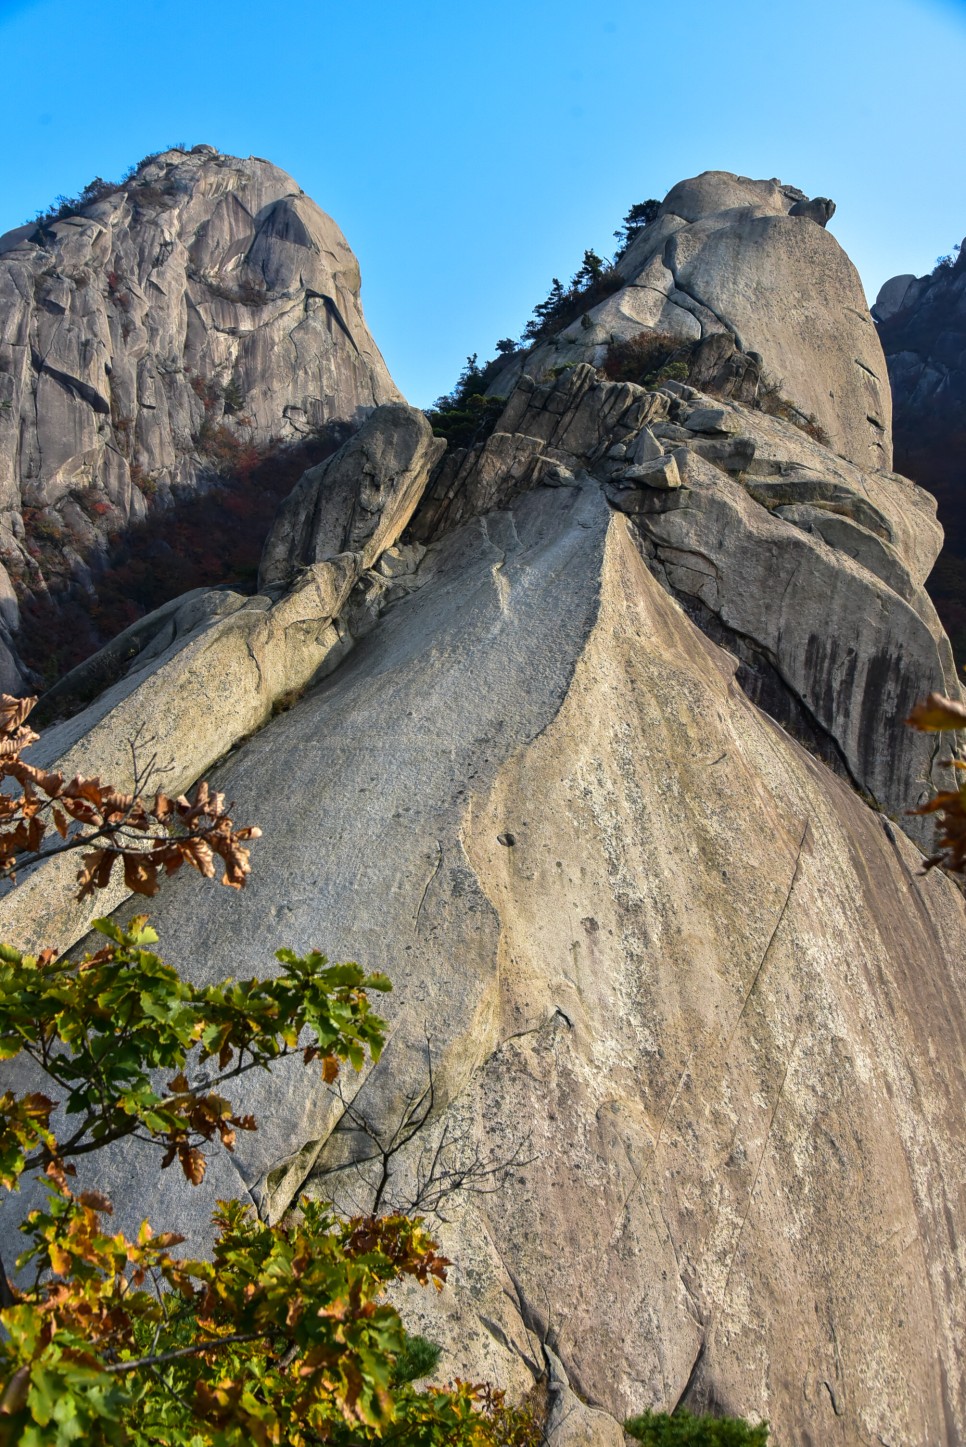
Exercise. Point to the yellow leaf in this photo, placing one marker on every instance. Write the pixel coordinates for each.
(936, 714)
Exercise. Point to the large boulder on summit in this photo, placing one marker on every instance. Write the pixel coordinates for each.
(203, 306)
(750, 259)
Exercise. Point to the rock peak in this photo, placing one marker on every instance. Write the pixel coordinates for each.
(151, 331)
(751, 260)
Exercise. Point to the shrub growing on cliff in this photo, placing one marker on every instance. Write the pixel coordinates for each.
(682, 1429)
(649, 358)
(466, 415)
(640, 215)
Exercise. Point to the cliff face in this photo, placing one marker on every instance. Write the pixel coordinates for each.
(922, 327)
(205, 306)
(590, 715)
(751, 261)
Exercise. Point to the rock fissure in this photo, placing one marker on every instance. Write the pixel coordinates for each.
(670, 261)
(771, 939)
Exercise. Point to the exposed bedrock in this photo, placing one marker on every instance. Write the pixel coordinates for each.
(752, 260)
(523, 726)
(207, 304)
(663, 959)
(806, 566)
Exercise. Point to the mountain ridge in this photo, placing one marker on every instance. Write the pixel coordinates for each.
(589, 735)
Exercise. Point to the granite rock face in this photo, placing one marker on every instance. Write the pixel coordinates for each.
(591, 736)
(358, 501)
(750, 260)
(674, 979)
(206, 303)
(808, 568)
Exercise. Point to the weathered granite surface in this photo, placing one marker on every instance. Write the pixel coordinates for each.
(208, 293)
(751, 260)
(540, 757)
(703, 996)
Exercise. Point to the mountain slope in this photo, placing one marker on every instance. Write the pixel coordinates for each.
(154, 338)
(575, 733)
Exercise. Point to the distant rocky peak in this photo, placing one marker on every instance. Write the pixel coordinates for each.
(922, 328)
(158, 336)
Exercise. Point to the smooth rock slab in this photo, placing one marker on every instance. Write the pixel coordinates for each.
(706, 998)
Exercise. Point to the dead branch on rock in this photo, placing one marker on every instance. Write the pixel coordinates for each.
(451, 1164)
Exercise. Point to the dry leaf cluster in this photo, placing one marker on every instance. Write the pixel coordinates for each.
(938, 714)
(148, 836)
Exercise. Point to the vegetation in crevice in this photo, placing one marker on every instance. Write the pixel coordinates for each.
(99, 190)
(683, 1429)
(648, 359)
(772, 401)
(466, 415)
(949, 261)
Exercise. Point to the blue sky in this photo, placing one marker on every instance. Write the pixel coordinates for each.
(472, 151)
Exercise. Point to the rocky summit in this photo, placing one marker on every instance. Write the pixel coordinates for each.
(590, 734)
(204, 305)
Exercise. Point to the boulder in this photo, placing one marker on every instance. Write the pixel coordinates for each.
(892, 296)
(358, 501)
(820, 210)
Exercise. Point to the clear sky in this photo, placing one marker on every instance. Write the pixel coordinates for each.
(472, 151)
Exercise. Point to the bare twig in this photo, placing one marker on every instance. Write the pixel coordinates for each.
(451, 1165)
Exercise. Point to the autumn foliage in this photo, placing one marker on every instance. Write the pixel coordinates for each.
(937, 714)
(209, 537)
(145, 836)
(283, 1336)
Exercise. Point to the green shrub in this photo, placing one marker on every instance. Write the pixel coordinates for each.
(466, 415)
(639, 216)
(468, 423)
(682, 1429)
(419, 1358)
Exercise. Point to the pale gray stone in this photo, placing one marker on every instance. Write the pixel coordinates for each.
(891, 296)
(671, 969)
(720, 421)
(570, 1422)
(644, 447)
(662, 472)
(358, 501)
(209, 292)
